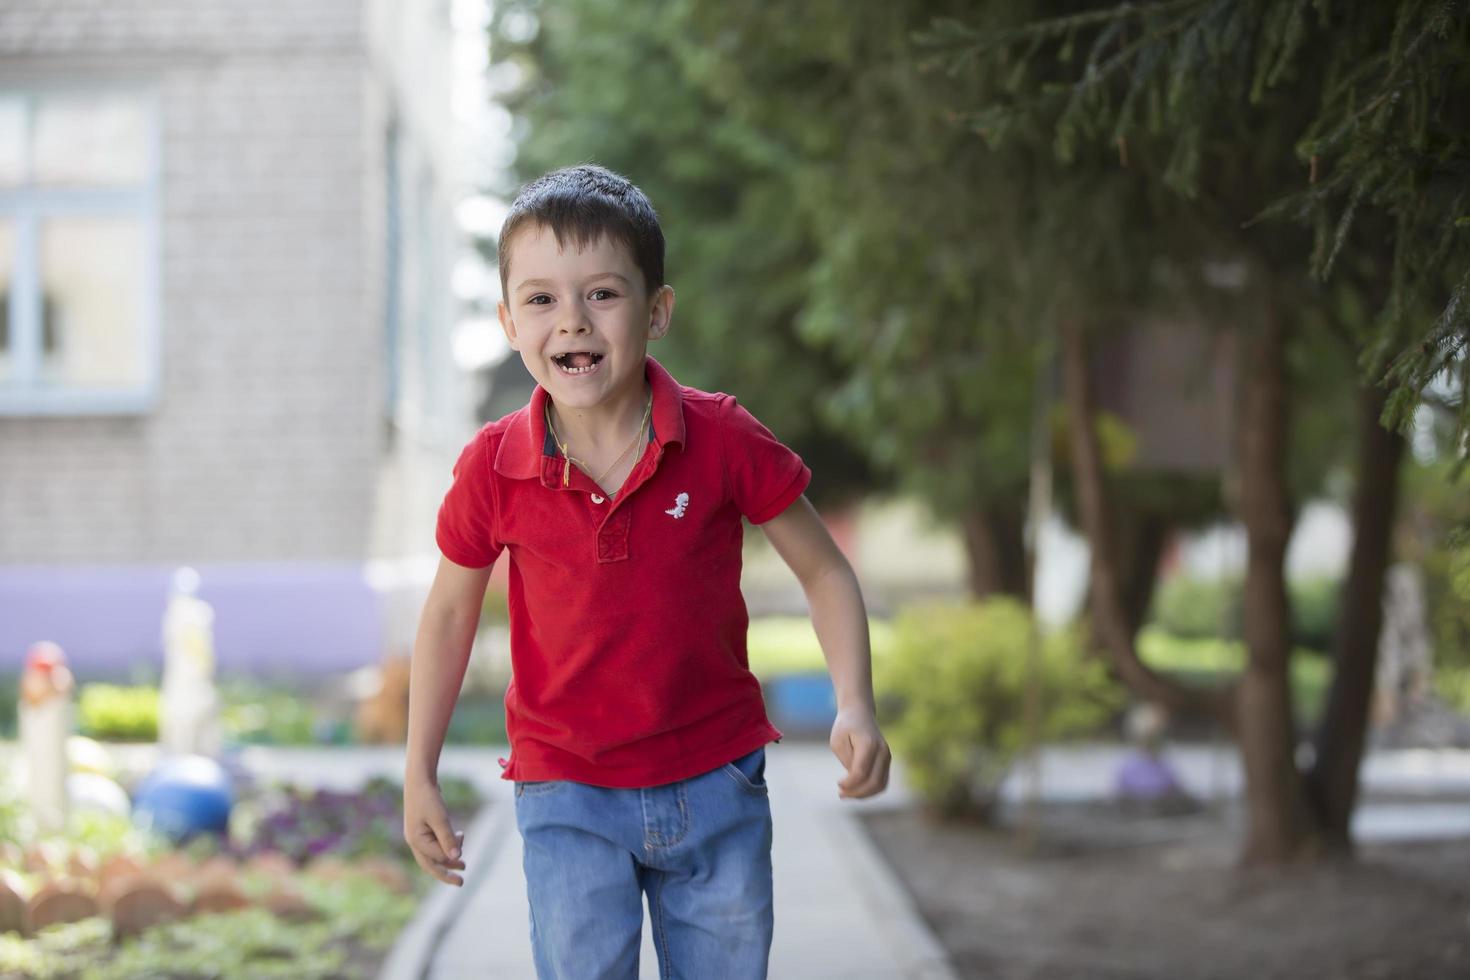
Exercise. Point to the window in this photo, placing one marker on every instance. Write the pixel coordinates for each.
(78, 227)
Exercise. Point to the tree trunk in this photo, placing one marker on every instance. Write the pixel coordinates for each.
(1332, 784)
(1147, 533)
(996, 551)
(1278, 828)
(1109, 616)
(1141, 536)
(1140, 543)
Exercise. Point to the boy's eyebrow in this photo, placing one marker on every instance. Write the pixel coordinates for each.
(597, 275)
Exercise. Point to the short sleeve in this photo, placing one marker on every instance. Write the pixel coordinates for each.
(465, 529)
(765, 475)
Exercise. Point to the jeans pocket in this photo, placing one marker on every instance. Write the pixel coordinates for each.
(748, 771)
(537, 787)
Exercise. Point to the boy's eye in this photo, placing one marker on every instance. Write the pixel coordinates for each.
(603, 294)
(536, 300)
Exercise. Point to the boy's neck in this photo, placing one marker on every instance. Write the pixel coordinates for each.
(606, 428)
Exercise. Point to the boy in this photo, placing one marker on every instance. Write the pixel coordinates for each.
(637, 731)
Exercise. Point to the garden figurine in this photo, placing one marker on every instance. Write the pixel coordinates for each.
(45, 711)
(637, 731)
(1144, 780)
(188, 717)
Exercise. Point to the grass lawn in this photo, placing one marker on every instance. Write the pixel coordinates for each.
(1214, 661)
(787, 645)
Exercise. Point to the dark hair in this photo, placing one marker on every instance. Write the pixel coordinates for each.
(583, 203)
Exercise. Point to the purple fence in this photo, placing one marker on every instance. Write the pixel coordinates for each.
(271, 619)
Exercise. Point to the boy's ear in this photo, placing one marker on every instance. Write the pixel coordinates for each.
(507, 324)
(662, 312)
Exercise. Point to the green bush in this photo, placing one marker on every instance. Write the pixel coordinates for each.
(1314, 605)
(477, 721)
(1447, 595)
(9, 697)
(256, 713)
(956, 677)
(250, 711)
(1453, 685)
(117, 713)
(1200, 609)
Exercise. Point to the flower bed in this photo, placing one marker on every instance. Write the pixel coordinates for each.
(308, 884)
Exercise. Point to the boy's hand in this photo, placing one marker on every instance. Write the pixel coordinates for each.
(860, 747)
(435, 845)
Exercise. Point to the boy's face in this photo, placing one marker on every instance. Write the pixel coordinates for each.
(581, 320)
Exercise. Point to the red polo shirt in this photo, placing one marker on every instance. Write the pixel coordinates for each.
(627, 626)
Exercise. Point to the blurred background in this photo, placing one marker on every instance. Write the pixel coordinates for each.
(1127, 345)
(249, 308)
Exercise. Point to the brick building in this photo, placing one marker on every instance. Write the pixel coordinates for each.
(226, 232)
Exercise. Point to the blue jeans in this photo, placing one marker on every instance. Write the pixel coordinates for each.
(700, 848)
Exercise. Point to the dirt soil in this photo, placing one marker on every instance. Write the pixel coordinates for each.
(1108, 896)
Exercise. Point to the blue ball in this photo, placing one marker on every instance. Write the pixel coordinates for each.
(185, 795)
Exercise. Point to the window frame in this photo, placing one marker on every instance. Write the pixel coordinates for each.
(26, 206)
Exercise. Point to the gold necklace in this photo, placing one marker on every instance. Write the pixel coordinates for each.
(566, 473)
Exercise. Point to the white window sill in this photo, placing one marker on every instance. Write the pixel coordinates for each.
(29, 402)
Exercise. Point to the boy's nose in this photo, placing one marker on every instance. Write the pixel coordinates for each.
(576, 320)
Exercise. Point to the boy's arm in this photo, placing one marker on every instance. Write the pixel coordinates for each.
(441, 651)
(841, 624)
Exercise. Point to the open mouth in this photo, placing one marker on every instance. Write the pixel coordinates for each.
(578, 362)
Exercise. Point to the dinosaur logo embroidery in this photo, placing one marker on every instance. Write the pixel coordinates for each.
(680, 502)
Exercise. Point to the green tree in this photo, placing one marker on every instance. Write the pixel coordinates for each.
(939, 261)
(895, 272)
(607, 82)
(1353, 122)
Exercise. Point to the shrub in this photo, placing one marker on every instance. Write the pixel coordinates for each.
(114, 712)
(1453, 685)
(250, 711)
(257, 713)
(1199, 609)
(9, 696)
(1314, 604)
(956, 679)
(477, 720)
(1447, 595)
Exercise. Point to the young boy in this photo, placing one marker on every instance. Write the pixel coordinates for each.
(637, 730)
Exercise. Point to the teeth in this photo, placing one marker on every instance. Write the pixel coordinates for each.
(596, 359)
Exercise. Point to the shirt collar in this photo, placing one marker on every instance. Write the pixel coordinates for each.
(527, 443)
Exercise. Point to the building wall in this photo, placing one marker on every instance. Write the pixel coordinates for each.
(430, 408)
(276, 457)
(264, 442)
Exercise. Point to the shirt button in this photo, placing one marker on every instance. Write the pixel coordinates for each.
(597, 498)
